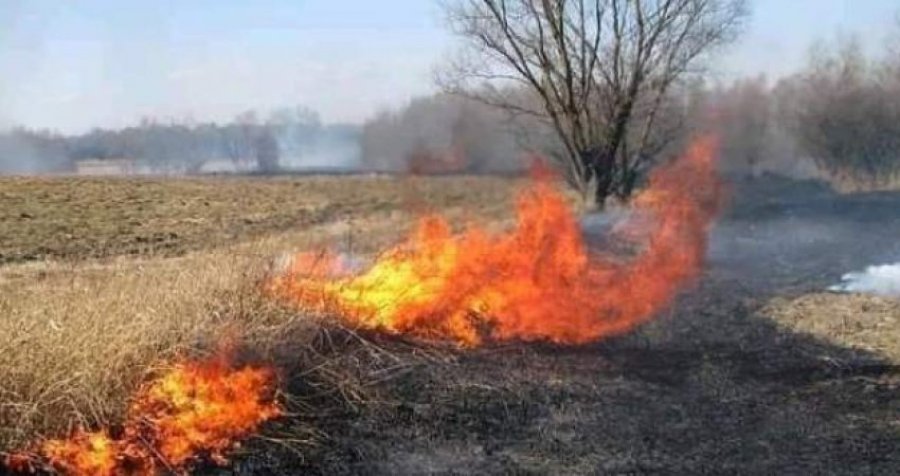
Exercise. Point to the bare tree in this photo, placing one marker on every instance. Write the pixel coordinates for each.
(267, 151)
(845, 110)
(598, 72)
(893, 42)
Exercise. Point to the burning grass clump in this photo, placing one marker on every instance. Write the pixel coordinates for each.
(147, 416)
(76, 345)
(81, 359)
(191, 409)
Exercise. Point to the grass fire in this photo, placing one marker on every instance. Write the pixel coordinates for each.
(193, 409)
(606, 237)
(539, 281)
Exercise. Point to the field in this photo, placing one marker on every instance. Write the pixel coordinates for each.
(77, 218)
(106, 278)
(753, 371)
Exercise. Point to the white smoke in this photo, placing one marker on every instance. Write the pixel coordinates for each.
(883, 280)
(345, 263)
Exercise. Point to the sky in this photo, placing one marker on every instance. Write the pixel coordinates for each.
(71, 66)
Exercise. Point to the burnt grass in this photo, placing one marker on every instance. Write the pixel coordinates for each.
(710, 387)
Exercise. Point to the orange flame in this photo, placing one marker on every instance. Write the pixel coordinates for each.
(195, 408)
(537, 282)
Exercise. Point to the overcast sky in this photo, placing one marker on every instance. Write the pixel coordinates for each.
(73, 65)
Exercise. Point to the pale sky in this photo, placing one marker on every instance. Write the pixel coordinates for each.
(73, 65)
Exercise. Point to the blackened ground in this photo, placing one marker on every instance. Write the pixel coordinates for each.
(711, 387)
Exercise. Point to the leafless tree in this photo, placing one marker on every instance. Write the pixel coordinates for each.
(267, 151)
(893, 42)
(845, 110)
(598, 72)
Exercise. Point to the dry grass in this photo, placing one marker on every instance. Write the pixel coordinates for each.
(77, 335)
(848, 184)
(868, 323)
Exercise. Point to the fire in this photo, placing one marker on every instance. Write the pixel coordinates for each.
(193, 409)
(539, 281)
(84, 453)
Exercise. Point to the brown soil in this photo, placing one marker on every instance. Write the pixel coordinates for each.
(76, 218)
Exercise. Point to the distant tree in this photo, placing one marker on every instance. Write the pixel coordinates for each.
(893, 43)
(891, 68)
(267, 151)
(234, 144)
(442, 133)
(598, 72)
(845, 111)
(239, 137)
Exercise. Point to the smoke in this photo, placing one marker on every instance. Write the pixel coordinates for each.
(330, 147)
(23, 153)
(443, 133)
(296, 141)
(882, 280)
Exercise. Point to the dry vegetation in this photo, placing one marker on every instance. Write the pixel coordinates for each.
(868, 323)
(849, 185)
(77, 334)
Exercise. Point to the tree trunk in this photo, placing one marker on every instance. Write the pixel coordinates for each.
(599, 178)
(604, 170)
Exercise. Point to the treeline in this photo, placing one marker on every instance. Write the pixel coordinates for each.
(839, 116)
(844, 110)
(449, 133)
(443, 134)
(287, 138)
